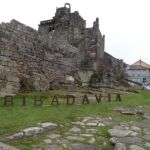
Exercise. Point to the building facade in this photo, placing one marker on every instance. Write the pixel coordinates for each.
(139, 72)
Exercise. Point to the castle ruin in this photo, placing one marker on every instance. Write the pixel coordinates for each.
(62, 46)
(70, 29)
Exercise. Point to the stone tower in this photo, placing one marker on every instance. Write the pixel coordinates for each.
(70, 28)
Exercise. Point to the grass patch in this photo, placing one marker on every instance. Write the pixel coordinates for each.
(13, 119)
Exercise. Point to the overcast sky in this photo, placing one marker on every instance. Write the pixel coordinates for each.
(125, 23)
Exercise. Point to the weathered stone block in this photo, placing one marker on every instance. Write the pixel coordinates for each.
(48, 126)
(32, 131)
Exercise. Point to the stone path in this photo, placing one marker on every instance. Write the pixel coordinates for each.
(83, 131)
(87, 134)
(132, 135)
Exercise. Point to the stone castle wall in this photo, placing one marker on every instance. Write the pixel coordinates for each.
(63, 46)
(26, 62)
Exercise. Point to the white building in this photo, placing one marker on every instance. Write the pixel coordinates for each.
(139, 72)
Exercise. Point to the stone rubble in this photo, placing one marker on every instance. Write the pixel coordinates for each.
(48, 126)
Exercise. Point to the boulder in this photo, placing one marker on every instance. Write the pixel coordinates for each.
(48, 126)
(119, 132)
(69, 79)
(32, 131)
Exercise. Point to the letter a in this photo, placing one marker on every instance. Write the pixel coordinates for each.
(55, 100)
(85, 100)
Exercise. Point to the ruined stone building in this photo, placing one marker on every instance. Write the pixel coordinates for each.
(62, 46)
(68, 28)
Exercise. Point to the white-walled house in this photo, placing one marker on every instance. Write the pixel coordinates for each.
(139, 72)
